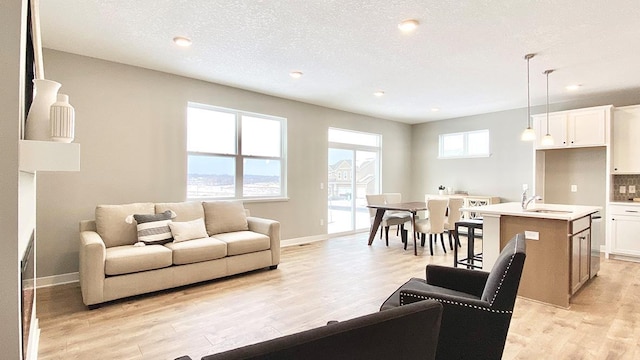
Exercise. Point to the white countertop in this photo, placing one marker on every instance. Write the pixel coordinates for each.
(630, 203)
(549, 211)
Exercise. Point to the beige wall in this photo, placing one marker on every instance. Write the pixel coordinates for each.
(501, 174)
(130, 123)
(584, 167)
(511, 162)
(12, 42)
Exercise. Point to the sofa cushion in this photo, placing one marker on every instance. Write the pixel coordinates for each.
(188, 230)
(185, 211)
(198, 250)
(153, 229)
(111, 225)
(243, 242)
(224, 216)
(128, 259)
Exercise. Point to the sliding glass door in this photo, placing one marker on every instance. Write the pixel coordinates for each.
(354, 171)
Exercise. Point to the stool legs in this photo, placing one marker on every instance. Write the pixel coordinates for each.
(471, 258)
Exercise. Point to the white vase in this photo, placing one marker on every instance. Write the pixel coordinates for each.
(37, 126)
(62, 118)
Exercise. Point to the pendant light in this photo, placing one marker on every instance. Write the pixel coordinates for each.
(547, 140)
(528, 134)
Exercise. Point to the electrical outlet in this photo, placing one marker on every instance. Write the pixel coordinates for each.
(531, 235)
(574, 188)
(623, 189)
(632, 189)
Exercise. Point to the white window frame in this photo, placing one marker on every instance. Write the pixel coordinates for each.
(464, 152)
(239, 157)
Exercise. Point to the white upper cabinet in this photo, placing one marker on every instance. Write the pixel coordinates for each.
(574, 128)
(557, 129)
(626, 130)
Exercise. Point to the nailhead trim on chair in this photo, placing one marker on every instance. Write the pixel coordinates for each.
(456, 303)
(504, 274)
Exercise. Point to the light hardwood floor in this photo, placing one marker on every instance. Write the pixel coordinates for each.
(336, 279)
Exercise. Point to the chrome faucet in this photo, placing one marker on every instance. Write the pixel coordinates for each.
(526, 201)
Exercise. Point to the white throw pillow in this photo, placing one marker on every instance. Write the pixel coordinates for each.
(188, 230)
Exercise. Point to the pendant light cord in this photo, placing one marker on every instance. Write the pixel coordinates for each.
(547, 72)
(528, 57)
(528, 97)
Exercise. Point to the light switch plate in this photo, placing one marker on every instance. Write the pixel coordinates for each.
(574, 188)
(632, 189)
(623, 189)
(531, 235)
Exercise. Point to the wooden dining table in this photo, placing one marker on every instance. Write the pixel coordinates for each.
(412, 207)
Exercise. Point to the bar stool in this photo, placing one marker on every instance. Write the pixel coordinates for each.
(469, 261)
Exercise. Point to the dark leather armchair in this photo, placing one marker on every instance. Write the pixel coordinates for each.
(477, 305)
(377, 336)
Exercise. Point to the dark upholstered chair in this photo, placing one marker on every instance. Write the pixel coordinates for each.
(477, 305)
(407, 332)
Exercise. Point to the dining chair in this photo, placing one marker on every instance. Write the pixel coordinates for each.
(433, 224)
(389, 218)
(453, 215)
(395, 198)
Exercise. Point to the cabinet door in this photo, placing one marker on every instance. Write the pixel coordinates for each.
(575, 264)
(585, 255)
(557, 129)
(624, 235)
(580, 259)
(626, 130)
(587, 127)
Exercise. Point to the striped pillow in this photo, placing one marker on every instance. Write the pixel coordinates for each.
(153, 229)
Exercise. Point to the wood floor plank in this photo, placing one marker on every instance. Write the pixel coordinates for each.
(336, 279)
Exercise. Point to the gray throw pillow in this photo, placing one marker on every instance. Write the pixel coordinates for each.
(153, 229)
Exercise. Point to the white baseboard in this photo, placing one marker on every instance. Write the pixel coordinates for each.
(303, 240)
(75, 277)
(57, 280)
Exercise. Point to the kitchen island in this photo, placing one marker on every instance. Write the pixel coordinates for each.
(558, 241)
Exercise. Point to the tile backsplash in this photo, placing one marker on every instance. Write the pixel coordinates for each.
(626, 181)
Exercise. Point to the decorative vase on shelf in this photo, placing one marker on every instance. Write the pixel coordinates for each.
(62, 117)
(37, 126)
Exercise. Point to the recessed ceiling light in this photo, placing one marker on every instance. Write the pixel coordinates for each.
(378, 93)
(182, 41)
(435, 109)
(296, 74)
(408, 25)
(573, 87)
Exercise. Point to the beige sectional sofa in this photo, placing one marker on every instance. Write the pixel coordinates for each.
(114, 263)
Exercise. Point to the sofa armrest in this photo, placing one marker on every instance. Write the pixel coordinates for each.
(271, 228)
(464, 280)
(92, 260)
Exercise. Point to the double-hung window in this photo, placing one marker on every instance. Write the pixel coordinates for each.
(234, 154)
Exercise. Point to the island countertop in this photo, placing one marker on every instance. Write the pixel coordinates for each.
(538, 210)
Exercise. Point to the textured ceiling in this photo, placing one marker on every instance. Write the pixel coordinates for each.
(465, 58)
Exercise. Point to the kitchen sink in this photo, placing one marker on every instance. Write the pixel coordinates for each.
(549, 211)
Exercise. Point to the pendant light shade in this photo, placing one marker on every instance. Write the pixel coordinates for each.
(547, 140)
(528, 134)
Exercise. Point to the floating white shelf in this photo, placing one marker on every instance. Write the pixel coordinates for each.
(49, 156)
